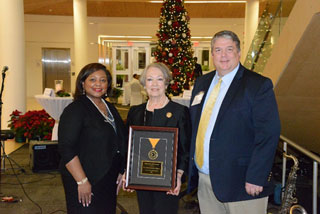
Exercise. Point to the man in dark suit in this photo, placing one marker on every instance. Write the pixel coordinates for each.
(234, 140)
(197, 68)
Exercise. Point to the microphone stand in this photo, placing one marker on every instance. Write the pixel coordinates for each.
(4, 155)
(1, 146)
(2, 143)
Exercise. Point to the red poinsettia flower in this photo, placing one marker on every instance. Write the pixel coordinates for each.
(15, 113)
(32, 125)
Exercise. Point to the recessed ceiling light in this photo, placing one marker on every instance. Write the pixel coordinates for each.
(130, 37)
(201, 37)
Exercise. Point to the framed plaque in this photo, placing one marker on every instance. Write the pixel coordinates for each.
(152, 158)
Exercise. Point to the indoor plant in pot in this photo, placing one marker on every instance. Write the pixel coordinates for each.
(115, 93)
(33, 125)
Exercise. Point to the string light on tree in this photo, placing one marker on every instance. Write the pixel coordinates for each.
(174, 46)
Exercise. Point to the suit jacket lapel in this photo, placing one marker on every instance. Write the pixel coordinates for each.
(205, 87)
(231, 93)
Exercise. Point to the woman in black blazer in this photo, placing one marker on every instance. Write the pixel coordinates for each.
(92, 145)
(160, 111)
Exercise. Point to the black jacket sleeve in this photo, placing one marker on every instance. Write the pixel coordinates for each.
(70, 127)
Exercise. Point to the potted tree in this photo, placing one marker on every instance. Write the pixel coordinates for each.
(115, 93)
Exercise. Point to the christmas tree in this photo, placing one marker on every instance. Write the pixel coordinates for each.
(174, 46)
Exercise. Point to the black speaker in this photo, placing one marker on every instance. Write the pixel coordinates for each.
(44, 156)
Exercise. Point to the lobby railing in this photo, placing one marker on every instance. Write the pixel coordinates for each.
(313, 157)
(268, 31)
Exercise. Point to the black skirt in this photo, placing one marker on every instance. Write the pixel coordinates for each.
(103, 200)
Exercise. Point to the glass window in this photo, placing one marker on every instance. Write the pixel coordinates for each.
(142, 60)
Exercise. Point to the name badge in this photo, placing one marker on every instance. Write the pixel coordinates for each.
(197, 99)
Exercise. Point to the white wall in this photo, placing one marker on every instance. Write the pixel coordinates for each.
(57, 32)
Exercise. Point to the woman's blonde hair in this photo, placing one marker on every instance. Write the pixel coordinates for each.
(162, 67)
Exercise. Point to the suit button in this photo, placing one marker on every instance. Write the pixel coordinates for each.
(118, 151)
(192, 158)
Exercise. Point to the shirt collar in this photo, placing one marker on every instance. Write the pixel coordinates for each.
(227, 79)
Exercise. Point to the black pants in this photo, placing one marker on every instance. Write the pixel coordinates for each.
(104, 199)
(153, 202)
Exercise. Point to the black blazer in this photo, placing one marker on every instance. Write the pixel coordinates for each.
(84, 132)
(180, 119)
(244, 139)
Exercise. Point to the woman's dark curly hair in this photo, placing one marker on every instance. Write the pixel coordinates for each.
(85, 72)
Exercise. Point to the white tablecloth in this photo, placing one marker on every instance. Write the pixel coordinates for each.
(181, 100)
(54, 106)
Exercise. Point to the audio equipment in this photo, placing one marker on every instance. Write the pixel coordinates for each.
(44, 156)
(6, 134)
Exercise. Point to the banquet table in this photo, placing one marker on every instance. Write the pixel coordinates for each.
(54, 106)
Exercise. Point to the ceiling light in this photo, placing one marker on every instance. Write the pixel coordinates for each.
(122, 41)
(201, 37)
(130, 37)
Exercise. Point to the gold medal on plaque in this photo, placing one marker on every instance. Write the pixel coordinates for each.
(153, 154)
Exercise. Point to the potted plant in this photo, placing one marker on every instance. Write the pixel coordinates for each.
(62, 93)
(33, 125)
(16, 125)
(115, 93)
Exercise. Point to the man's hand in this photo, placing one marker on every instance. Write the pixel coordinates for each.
(253, 190)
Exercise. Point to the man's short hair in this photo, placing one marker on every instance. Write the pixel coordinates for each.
(228, 35)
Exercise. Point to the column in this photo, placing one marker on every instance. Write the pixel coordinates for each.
(250, 25)
(80, 34)
(12, 54)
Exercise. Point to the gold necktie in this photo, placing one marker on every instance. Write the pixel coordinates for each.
(204, 121)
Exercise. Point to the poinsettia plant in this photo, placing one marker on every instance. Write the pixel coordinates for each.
(33, 125)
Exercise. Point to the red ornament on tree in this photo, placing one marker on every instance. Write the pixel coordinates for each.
(174, 45)
(175, 24)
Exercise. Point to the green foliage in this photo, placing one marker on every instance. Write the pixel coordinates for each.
(174, 46)
(119, 67)
(205, 67)
(62, 93)
(115, 92)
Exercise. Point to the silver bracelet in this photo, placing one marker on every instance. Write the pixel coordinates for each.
(82, 181)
